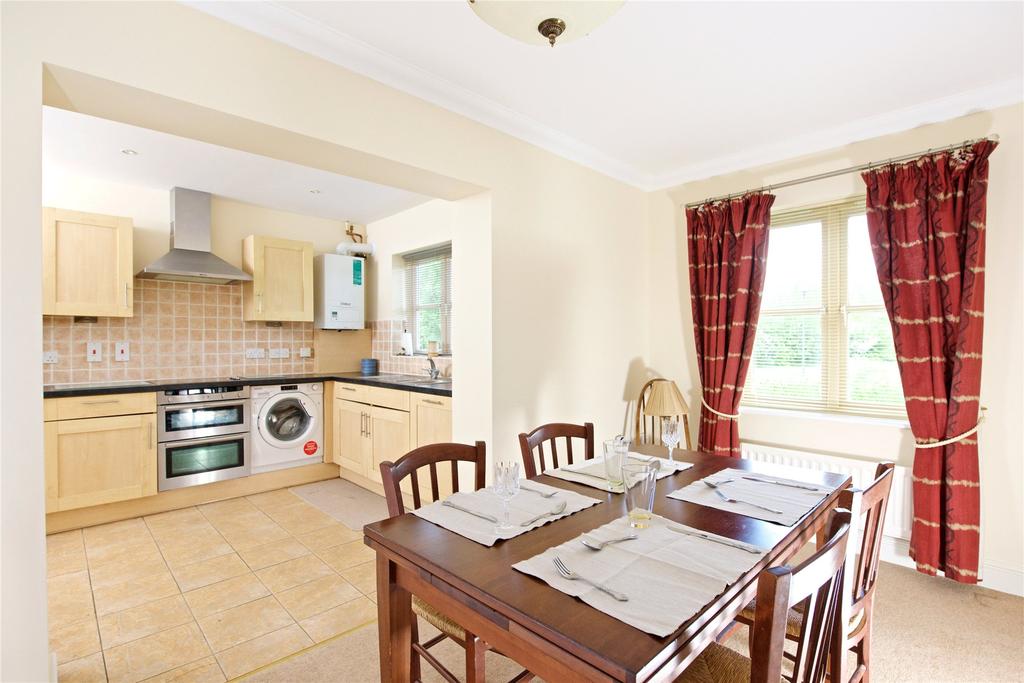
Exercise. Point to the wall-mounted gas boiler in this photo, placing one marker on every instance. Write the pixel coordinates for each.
(339, 300)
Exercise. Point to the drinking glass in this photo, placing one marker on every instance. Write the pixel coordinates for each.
(639, 481)
(670, 433)
(615, 452)
(506, 485)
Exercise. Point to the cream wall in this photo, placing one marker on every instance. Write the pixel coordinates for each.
(1002, 472)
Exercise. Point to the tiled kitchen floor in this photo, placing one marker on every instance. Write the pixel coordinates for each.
(206, 593)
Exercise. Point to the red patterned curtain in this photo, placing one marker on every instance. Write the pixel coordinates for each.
(728, 245)
(926, 220)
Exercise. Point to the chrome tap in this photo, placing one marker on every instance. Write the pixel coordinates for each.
(432, 370)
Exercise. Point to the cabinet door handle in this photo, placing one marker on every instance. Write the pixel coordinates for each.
(259, 302)
(362, 424)
(100, 403)
(126, 295)
(150, 442)
(433, 402)
(348, 389)
(368, 423)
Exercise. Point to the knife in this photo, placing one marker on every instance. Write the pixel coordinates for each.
(449, 504)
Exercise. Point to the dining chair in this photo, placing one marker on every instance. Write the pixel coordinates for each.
(647, 428)
(432, 457)
(869, 506)
(817, 586)
(549, 434)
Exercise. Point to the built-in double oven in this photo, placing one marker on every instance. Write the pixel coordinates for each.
(203, 435)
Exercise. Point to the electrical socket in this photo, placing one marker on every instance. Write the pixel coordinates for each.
(122, 352)
(278, 353)
(255, 354)
(305, 352)
(94, 352)
(50, 357)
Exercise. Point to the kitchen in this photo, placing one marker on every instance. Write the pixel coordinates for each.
(255, 355)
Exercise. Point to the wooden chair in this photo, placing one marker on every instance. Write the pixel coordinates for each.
(550, 433)
(431, 457)
(647, 428)
(870, 506)
(817, 586)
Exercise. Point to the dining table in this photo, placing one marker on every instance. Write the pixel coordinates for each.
(553, 635)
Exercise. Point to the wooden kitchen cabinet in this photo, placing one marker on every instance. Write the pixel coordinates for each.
(430, 420)
(389, 434)
(351, 449)
(87, 264)
(92, 461)
(282, 279)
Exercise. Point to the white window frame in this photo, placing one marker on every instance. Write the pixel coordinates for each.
(444, 306)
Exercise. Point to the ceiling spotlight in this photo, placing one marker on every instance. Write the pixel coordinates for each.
(542, 22)
(314, 191)
(129, 151)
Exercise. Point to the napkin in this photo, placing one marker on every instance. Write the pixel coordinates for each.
(524, 506)
(592, 472)
(793, 503)
(668, 576)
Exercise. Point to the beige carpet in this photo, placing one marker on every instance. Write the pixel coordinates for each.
(926, 629)
(352, 505)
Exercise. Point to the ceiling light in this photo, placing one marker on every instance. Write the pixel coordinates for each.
(314, 191)
(544, 21)
(129, 151)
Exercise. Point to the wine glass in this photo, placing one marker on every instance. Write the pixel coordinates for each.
(506, 485)
(670, 433)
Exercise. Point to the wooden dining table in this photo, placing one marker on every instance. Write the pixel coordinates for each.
(554, 635)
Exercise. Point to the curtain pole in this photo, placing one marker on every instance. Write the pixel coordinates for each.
(841, 171)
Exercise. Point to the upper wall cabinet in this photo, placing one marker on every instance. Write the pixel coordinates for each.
(87, 264)
(282, 279)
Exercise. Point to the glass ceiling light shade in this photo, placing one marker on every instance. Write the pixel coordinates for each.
(540, 22)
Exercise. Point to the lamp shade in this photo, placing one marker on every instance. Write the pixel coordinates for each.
(520, 19)
(665, 399)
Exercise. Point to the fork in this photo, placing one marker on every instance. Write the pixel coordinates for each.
(540, 493)
(598, 545)
(567, 573)
(729, 499)
(557, 510)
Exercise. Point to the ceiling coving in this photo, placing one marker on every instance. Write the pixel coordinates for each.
(538, 21)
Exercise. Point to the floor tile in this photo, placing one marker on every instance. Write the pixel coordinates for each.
(65, 561)
(175, 520)
(274, 499)
(206, 670)
(301, 518)
(281, 577)
(205, 547)
(205, 572)
(253, 654)
(85, 670)
(65, 541)
(317, 596)
(121, 551)
(245, 622)
(122, 596)
(69, 598)
(373, 596)
(115, 532)
(156, 654)
(254, 535)
(146, 562)
(363, 577)
(230, 593)
(131, 624)
(339, 619)
(227, 509)
(74, 640)
(273, 553)
(329, 536)
(346, 556)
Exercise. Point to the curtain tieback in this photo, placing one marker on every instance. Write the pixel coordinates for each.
(953, 439)
(725, 415)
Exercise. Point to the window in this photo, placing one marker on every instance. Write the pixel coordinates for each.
(823, 342)
(428, 298)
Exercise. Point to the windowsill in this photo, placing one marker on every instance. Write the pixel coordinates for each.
(896, 422)
(421, 355)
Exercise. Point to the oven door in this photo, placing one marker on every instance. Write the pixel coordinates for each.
(195, 420)
(202, 461)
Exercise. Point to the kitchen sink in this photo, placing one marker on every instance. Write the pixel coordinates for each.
(428, 381)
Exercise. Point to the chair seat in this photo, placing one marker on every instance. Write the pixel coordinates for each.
(795, 620)
(438, 620)
(717, 664)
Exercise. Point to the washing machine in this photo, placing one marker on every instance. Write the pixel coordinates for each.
(288, 426)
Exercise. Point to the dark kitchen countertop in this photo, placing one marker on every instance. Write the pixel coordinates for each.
(389, 381)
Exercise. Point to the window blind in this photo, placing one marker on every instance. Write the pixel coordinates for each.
(428, 301)
(824, 342)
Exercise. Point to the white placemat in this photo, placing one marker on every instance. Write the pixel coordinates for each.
(667, 575)
(772, 492)
(592, 472)
(524, 506)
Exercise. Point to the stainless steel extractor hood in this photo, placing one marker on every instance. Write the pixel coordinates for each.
(190, 259)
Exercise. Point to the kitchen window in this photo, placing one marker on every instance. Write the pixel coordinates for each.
(428, 298)
(823, 341)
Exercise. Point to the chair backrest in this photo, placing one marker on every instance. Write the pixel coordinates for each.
(548, 435)
(869, 505)
(647, 428)
(430, 457)
(817, 586)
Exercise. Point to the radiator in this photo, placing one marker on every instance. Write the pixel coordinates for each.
(899, 517)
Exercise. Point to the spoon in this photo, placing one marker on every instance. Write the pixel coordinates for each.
(598, 545)
(542, 494)
(557, 510)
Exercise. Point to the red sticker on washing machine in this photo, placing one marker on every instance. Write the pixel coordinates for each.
(311, 447)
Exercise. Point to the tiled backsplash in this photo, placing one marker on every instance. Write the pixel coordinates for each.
(385, 345)
(180, 330)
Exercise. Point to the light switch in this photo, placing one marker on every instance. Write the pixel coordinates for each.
(122, 352)
(305, 352)
(278, 353)
(94, 352)
(50, 357)
(255, 354)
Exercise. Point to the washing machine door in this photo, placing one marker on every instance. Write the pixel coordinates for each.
(287, 419)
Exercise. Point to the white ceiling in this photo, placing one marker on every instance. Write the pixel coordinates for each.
(92, 146)
(667, 92)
